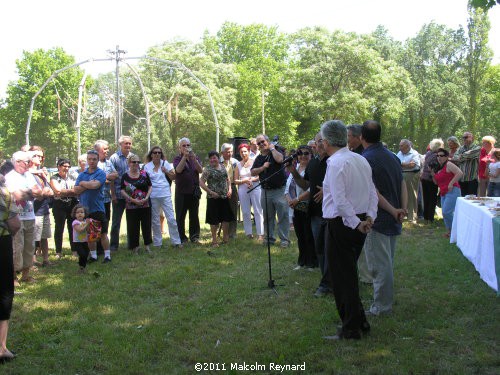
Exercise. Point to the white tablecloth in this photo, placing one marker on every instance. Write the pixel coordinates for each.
(472, 231)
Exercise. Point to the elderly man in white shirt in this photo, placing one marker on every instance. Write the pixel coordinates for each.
(410, 162)
(350, 208)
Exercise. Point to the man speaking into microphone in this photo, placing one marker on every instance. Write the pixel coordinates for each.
(268, 166)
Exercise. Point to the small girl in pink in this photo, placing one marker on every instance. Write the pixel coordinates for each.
(80, 223)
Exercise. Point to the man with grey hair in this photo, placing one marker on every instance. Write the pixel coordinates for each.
(119, 162)
(354, 138)
(230, 164)
(268, 166)
(350, 208)
(21, 180)
(187, 190)
(102, 148)
(410, 162)
(467, 158)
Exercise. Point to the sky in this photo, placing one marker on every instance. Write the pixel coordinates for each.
(87, 29)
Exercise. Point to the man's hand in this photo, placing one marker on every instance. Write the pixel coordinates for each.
(318, 197)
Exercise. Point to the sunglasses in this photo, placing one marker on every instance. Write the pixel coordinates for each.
(27, 162)
(134, 162)
(156, 153)
(65, 166)
(186, 145)
(305, 153)
(263, 142)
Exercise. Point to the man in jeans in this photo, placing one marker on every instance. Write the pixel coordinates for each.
(273, 198)
(119, 161)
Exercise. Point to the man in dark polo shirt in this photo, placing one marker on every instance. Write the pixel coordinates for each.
(187, 190)
(273, 201)
(380, 243)
(313, 180)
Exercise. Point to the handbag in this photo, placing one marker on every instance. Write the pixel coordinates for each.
(302, 206)
(197, 192)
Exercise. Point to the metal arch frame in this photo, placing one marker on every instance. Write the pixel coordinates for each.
(174, 64)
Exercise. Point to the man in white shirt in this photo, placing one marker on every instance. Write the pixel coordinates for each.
(20, 179)
(410, 162)
(350, 208)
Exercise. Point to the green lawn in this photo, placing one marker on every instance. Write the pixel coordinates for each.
(163, 313)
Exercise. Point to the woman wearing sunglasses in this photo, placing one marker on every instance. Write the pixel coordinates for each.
(446, 177)
(136, 189)
(297, 199)
(160, 171)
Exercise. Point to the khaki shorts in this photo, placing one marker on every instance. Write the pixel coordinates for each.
(42, 227)
(24, 245)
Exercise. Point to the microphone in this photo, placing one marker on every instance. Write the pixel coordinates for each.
(290, 158)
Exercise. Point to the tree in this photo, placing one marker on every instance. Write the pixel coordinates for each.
(478, 60)
(259, 54)
(338, 76)
(435, 59)
(54, 113)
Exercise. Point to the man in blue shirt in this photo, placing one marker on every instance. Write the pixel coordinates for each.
(90, 186)
(119, 161)
(380, 243)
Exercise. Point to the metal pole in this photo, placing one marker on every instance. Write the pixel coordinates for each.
(78, 116)
(118, 111)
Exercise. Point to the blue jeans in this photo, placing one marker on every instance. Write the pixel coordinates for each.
(494, 189)
(276, 206)
(448, 202)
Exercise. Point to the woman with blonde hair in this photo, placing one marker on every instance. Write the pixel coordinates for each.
(453, 145)
(429, 188)
(245, 181)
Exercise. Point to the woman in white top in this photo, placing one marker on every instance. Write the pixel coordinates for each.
(245, 181)
(161, 200)
(301, 218)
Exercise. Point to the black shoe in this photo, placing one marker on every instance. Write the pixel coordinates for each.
(91, 260)
(107, 260)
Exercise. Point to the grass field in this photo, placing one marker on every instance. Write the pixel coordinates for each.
(166, 312)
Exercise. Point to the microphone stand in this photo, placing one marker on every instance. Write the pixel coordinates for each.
(270, 284)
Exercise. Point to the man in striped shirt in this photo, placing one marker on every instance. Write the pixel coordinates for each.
(467, 158)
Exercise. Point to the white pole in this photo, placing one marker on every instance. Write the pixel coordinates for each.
(79, 113)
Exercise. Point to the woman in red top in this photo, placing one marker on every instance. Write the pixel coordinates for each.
(485, 158)
(446, 177)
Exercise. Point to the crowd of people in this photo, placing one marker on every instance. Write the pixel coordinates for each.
(344, 193)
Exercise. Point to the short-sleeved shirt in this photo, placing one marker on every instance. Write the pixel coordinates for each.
(120, 164)
(493, 168)
(78, 236)
(188, 179)
(136, 188)
(216, 180)
(41, 206)
(65, 183)
(108, 168)
(315, 174)
(161, 187)
(16, 181)
(279, 179)
(8, 209)
(387, 176)
(93, 199)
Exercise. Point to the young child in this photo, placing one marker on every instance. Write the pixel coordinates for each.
(79, 214)
(494, 175)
